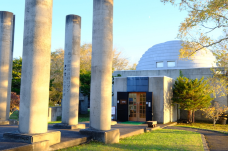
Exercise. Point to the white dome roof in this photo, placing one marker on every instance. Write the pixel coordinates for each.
(165, 56)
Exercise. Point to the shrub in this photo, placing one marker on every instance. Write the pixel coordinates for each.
(15, 102)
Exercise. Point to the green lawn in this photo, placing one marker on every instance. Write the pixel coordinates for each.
(163, 139)
(208, 126)
(14, 115)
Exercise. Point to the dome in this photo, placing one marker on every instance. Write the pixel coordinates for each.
(165, 56)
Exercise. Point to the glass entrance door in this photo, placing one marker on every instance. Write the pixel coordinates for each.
(137, 106)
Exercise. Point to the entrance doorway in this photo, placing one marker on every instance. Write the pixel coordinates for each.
(134, 106)
(137, 106)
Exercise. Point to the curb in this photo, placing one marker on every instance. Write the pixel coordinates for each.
(70, 143)
(145, 130)
(223, 132)
(205, 145)
(171, 124)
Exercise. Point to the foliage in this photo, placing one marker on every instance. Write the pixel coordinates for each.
(118, 75)
(191, 94)
(206, 27)
(15, 102)
(85, 58)
(133, 67)
(56, 77)
(218, 83)
(85, 80)
(205, 20)
(181, 74)
(57, 64)
(16, 75)
(163, 139)
(215, 111)
(119, 62)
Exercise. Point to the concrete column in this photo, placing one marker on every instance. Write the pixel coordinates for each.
(7, 20)
(36, 67)
(71, 75)
(101, 74)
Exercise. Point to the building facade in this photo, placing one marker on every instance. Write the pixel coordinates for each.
(160, 65)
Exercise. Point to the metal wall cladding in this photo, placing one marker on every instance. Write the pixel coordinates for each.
(137, 84)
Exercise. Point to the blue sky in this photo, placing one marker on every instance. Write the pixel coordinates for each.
(137, 24)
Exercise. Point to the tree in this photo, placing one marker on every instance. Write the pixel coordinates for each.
(215, 111)
(85, 80)
(85, 58)
(57, 64)
(56, 77)
(192, 95)
(16, 75)
(119, 62)
(205, 26)
(133, 67)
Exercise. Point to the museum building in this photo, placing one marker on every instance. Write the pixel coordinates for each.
(145, 93)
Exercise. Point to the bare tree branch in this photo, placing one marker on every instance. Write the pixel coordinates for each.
(206, 46)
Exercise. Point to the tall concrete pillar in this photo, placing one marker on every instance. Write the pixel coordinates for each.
(7, 21)
(35, 67)
(101, 73)
(71, 74)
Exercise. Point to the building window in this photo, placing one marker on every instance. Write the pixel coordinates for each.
(171, 63)
(159, 64)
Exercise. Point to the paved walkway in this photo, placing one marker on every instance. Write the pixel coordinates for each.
(71, 137)
(216, 141)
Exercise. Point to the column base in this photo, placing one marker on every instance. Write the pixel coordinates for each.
(4, 122)
(107, 137)
(66, 126)
(53, 137)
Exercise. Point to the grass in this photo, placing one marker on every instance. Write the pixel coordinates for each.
(14, 115)
(163, 139)
(84, 117)
(132, 123)
(207, 126)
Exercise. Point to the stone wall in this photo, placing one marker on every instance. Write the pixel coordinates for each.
(53, 112)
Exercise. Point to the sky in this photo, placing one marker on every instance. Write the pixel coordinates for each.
(137, 24)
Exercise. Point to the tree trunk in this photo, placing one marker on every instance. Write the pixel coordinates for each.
(190, 116)
(214, 121)
(193, 116)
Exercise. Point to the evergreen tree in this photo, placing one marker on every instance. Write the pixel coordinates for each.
(192, 95)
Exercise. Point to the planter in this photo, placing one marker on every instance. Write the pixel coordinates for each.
(223, 119)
